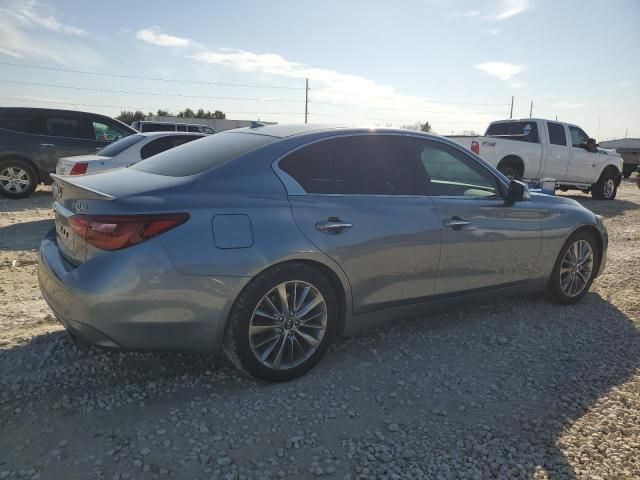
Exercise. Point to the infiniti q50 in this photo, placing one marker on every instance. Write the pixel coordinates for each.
(268, 242)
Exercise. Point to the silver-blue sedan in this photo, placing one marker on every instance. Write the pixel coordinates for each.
(270, 241)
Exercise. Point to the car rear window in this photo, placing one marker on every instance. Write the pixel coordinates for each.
(523, 131)
(22, 123)
(197, 157)
(158, 127)
(117, 147)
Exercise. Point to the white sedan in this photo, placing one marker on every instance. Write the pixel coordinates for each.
(126, 151)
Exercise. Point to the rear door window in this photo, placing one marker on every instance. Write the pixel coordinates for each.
(181, 128)
(193, 128)
(556, 134)
(60, 126)
(354, 165)
(526, 131)
(198, 157)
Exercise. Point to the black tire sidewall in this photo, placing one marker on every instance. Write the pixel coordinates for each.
(597, 190)
(506, 171)
(32, 176)
(237, 344)
(554, 282)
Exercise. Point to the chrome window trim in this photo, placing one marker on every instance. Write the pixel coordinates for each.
(295, 189)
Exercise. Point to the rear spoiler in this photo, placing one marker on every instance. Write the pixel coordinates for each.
(65, 181)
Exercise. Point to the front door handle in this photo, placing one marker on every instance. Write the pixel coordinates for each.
(333, 226)
(47, 145)
(455, 223)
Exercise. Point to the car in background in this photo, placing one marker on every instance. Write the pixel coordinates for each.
(149, 126)
(535, 148)
(126, 151)
(33, 139)
(269, 241)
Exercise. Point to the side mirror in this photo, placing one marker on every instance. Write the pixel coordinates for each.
(517, 192)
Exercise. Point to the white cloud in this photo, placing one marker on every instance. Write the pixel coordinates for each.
(510, 8)
(567, 105)
(24, 34)
(502, 70)
(32, 14)
(154, 36)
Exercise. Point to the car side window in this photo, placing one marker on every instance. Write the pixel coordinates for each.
(156, 146)
(578, 137)
(181, 128)
(182, 139)
(193, 128)
(450, 172)
(70, 127)
(107, 132)
(556, 134)
(310, 167)
(371, 165)
(24, 123)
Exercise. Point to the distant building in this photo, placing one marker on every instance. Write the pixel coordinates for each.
(217, 124)
(629, 148)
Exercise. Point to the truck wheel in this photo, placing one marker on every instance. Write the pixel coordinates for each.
(18, 179)
(606, 187)
(627, 170)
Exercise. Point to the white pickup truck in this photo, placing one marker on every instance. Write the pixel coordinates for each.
(533, 149)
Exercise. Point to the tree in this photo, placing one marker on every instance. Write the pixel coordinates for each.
(163, 113)
(422, 127)
(187, 113)
(219, 115)
(128, 117)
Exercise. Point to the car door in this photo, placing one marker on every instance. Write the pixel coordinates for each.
(65, 135)
(484, 243)
(583, 165)
(558, 152)
(357, 200)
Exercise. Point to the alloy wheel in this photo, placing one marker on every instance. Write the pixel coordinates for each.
(576, 268)
(288, 325)
(14, 180)
(609, 188)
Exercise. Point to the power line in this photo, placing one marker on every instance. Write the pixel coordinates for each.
(155, 79)
(107, 90)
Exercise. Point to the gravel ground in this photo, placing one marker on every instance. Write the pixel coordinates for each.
(517, 388)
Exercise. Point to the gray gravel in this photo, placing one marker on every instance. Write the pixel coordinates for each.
(517, 388)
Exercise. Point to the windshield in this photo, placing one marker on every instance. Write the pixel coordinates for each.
(120, 146)
(197, 157)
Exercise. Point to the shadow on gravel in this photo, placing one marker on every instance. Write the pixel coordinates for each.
(24, 236)
(606, 208)
(38, 199)
(493, 387)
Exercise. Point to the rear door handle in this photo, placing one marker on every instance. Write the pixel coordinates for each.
(456, 223)
(333, 226)
(47, 145)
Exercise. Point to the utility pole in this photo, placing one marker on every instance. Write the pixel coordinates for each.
(626, 132)
(511, 114)
(306, 101)
(531, 109)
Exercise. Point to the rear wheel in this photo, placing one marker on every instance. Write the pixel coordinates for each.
(18, 179)
(606, 187)
(282, 323)
(627, 170)
(575, 268)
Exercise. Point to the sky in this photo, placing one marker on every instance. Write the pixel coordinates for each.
(455, 64)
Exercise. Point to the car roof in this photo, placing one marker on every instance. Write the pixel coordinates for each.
(171, 133)
(290, 130)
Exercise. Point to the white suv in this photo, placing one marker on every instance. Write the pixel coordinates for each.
(148, 126)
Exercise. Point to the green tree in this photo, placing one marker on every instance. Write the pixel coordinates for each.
(162, 113)
(187, 113)
(128, 117)
(219, 115)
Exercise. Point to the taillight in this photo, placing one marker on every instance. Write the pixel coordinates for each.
(79, 168)
(122, 231)
(475, 147)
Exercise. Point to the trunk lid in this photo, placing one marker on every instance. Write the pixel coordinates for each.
(65, 164)
(98, 194)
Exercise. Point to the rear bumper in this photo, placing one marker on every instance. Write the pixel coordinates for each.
(135, 299)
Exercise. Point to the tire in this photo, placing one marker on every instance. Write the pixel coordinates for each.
(606, 187)
(586, 190)
(559, 283)
(627, 170)
(18, 179)
(510, 172)
(284, 345)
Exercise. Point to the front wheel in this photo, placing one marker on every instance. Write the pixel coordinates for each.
(575, 268)
(18, 179)
(282, 323)
(606, 187)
